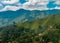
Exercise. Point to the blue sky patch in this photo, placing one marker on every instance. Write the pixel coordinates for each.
(51, 4)
(23, 1)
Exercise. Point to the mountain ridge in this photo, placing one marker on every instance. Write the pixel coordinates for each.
(22, 14)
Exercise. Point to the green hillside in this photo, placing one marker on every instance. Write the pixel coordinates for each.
(44, 22)
(45, 30)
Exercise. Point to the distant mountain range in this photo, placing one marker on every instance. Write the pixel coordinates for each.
(7, 17)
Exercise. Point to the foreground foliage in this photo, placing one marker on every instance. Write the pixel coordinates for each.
(32, 32)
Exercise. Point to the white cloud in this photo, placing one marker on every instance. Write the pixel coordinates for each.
(13, 8)
(57, 7)
(36, 5)
(9, 1)
(57, 2)
(30, 5)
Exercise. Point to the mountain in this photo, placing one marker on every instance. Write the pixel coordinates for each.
(29, 31)
(7, 17)
(50, 20)
(33, 15)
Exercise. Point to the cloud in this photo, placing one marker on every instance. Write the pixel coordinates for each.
(57, 2)
(57, 8)
(13, 8)
(9, 1)
(29, 5)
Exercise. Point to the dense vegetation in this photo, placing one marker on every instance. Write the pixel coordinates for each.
(46, 30)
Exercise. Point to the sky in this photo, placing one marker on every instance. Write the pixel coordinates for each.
(15, 5)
